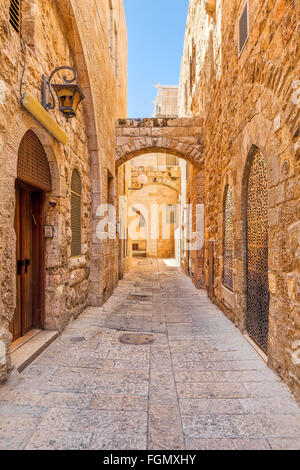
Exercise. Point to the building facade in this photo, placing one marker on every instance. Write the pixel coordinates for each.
(52, 264)
(240, 71)
(166, 101)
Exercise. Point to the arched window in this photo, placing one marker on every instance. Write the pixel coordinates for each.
(76, 214)
(228, 240)
(257, 250)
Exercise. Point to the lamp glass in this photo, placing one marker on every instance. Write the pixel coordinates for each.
(65, 97)
(69, 97)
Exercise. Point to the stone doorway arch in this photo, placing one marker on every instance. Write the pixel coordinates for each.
(32, 184)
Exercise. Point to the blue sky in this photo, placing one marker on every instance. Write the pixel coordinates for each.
(155, 46)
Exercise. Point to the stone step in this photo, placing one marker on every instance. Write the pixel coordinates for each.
(23, 356)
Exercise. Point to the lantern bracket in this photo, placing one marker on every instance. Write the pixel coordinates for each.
(46, 86)
(136, 189)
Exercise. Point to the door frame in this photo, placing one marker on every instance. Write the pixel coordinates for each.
(38, 254)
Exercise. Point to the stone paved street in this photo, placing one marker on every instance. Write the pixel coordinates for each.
(199, 386)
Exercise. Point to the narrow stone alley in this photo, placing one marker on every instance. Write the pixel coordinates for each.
(200, 385)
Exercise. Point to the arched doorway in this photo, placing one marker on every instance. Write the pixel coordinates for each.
(33, 181)
(257, 251)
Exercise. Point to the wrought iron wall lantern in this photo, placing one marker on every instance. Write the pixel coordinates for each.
(142, 180)
(69, 94)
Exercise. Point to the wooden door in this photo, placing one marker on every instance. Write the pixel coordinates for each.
(29, 260)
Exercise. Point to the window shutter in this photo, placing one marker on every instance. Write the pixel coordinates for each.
(76, 214)
(243, 28)
(15, 14)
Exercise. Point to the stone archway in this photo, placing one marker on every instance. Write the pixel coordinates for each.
(180, 137)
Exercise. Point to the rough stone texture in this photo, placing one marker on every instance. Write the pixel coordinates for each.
(200, 385)
(56, 34)
(180, 137)
(250, 100)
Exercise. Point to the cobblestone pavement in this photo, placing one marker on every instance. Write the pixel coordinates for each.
(199, 386)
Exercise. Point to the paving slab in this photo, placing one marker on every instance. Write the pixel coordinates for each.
(200, 385)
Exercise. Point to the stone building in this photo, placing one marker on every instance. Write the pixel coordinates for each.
(166, 101)
(157, 204)
(51, 263)
(240, 71)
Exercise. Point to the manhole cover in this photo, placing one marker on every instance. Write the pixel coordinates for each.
(78, 339)
(137, 339)
(138, 297)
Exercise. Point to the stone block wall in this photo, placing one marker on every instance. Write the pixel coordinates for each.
(61, 33)
(180, 137)
(250, 101)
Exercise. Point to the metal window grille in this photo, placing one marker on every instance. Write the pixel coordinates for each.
(76, 214)
(257, 252)
(15, 14)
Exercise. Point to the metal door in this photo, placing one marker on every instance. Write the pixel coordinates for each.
(257, 252)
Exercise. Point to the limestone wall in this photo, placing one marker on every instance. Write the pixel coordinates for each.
(103, 60)
(74, 33)
(251, 100)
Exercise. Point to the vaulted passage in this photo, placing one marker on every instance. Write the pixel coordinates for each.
(200, 385)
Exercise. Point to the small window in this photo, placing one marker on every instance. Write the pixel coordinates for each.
(110, 189)
(76, 214)
(243, 28)
(135, 247)
(116, 52)
(172, 160)
(171, 214)
(15, 14)
(228, 240)
(111, 29)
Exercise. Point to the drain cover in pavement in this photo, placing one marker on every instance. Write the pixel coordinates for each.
(78, 339)
(138, 297)
(137, 339)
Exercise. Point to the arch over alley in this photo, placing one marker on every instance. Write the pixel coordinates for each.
(180, 137)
